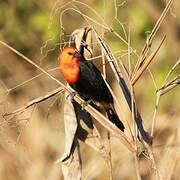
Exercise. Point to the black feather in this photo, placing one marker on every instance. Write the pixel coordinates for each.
(91, 85)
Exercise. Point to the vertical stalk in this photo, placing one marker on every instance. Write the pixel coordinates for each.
(108, 133)
(155, 113)
(151, 156)
(136, 162)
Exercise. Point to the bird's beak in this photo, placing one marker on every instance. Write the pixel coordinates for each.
(77, 55)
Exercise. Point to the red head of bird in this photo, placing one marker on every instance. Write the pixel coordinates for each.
(68, 64)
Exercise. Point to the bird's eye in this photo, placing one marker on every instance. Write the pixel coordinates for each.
(70, 53)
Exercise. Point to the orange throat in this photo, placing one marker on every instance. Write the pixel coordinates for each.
(70, 72)
(69, 68)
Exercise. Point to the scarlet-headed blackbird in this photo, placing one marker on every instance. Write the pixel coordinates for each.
(84, 77)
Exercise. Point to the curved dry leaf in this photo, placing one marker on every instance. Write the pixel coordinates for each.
(77, 37)
(72, 167)
(119, 83)
(70, 124)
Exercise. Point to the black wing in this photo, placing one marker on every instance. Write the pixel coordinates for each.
(90, 84)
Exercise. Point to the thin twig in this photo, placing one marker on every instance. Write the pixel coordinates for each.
(150, 38)
(170, 72)
(26, 123)
(96, 114)
(32, 63)
(35, 101)
(155, 114)
(31, 79)
(170, 85)
(153, 79)
(122, 77)
(163, 90)
(140, 71)
(136, 162)
(151, 156)
(129, 53)
(51, 105)
(116, 17)
(108, 133)
(109, 126)
(132, 115)
(109, 156)
(86, 17)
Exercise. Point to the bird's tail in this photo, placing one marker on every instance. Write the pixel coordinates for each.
(113, 117)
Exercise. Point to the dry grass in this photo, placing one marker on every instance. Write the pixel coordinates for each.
(32, 136)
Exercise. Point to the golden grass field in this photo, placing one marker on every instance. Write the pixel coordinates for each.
(31, 142)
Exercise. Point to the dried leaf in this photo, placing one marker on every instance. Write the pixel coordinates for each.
(87, 131)
(72, 167)
(78, 36)
(70, 123)
(146, 63)
(120, 87)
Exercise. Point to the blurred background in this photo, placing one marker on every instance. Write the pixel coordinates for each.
(33, 140)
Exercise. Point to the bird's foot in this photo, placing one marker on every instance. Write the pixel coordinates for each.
(85, 103)
(71, 95)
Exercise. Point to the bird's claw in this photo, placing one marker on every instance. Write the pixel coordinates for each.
(71, 96)
(85, 103)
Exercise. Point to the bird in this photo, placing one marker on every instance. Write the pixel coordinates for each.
(86, 79)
